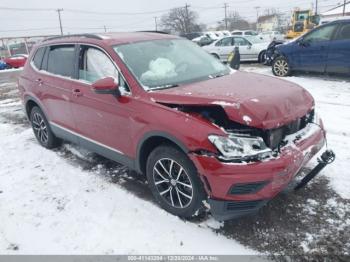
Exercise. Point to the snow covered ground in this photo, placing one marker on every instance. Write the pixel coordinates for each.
(70, 201)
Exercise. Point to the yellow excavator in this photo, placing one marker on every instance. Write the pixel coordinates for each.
(302, 22)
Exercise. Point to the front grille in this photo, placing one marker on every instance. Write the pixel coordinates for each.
(248, 188)
(274, 137)
(243, 205)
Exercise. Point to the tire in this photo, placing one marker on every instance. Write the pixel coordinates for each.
(174, 182)
(42, 130)
(261, 57)
(281, 67)
(216, 56)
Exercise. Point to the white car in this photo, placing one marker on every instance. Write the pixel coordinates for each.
(250, 48)
(244, 33)
(271, 35)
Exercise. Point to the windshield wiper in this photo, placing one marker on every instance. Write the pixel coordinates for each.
(216, 76)
(163, 87)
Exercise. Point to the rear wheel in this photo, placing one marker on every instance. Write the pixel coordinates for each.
(42, 129)
(174, 182)
(281, 67)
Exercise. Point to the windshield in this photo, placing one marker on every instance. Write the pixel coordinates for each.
(167, 63)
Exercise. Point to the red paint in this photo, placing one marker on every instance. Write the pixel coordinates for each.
(122, 122)
(16, 61)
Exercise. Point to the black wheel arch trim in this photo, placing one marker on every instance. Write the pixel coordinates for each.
(28, 99)
(153, 134)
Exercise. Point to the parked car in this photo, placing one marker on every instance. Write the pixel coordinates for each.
(325, 49)
(250, 48)
(191, 36)
(202, 133)
(3, 65)
(16, 61)
(270, 36)
(203, 40)
(244, 33)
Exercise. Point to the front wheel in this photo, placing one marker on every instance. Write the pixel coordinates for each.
(281, 67)
(174, 181)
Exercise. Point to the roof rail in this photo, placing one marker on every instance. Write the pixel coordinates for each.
(75, 35)
(153, 31)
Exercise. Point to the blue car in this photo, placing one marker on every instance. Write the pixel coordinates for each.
(325, 49)
(3, 65)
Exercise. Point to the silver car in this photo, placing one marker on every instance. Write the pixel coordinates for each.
(250, 48)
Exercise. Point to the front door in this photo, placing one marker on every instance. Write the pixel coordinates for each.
(224, 48)
(245, 48)
(312, 51)
(102, 120)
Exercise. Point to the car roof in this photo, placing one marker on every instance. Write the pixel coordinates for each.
(109, 38)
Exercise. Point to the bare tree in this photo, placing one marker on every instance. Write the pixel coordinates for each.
(235, 21)
(180, 20)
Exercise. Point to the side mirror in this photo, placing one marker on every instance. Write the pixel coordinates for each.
(106, 86)
(303, 43)
(249, 46)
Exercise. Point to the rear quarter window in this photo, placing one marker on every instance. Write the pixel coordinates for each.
(61, 60)
(38, 57)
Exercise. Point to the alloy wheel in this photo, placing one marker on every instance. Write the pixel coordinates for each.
(281, 67)
(40, 128)
(173, 183)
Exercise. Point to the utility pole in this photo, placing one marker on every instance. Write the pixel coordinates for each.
(257, 15)
(225, 7)
(155, 23)
(316, 7)
(344, 7)
(187, 18)
(59, 10)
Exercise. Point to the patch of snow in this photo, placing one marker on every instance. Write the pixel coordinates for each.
(49, 206)
(247, 119)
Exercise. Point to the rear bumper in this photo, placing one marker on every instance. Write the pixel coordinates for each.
(237, 189)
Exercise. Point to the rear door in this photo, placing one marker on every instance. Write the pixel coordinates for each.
(56, 81)
(102, 120)
(339, 51)
(312, 52)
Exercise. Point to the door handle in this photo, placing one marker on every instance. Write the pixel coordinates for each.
(77, 92)
(39, 81)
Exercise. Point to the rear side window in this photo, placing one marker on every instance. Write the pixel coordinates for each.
(61, 60)
(38, 57)
(344, 32)
(225, 42)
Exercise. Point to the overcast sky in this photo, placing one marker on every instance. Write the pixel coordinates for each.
(24, 23)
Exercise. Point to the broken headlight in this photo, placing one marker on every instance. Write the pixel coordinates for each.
(238, 147)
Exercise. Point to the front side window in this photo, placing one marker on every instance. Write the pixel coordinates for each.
(344, 32)
(240, 41)
(321, 34)
(95, 64)
(61, 60)
(169, 62)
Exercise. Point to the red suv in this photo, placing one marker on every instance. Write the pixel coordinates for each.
(205, 136)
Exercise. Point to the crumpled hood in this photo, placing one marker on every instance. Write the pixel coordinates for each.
(247, 98)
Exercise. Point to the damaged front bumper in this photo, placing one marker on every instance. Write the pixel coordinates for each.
(237, 189)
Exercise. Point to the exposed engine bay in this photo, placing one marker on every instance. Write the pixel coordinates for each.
(273, 139)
